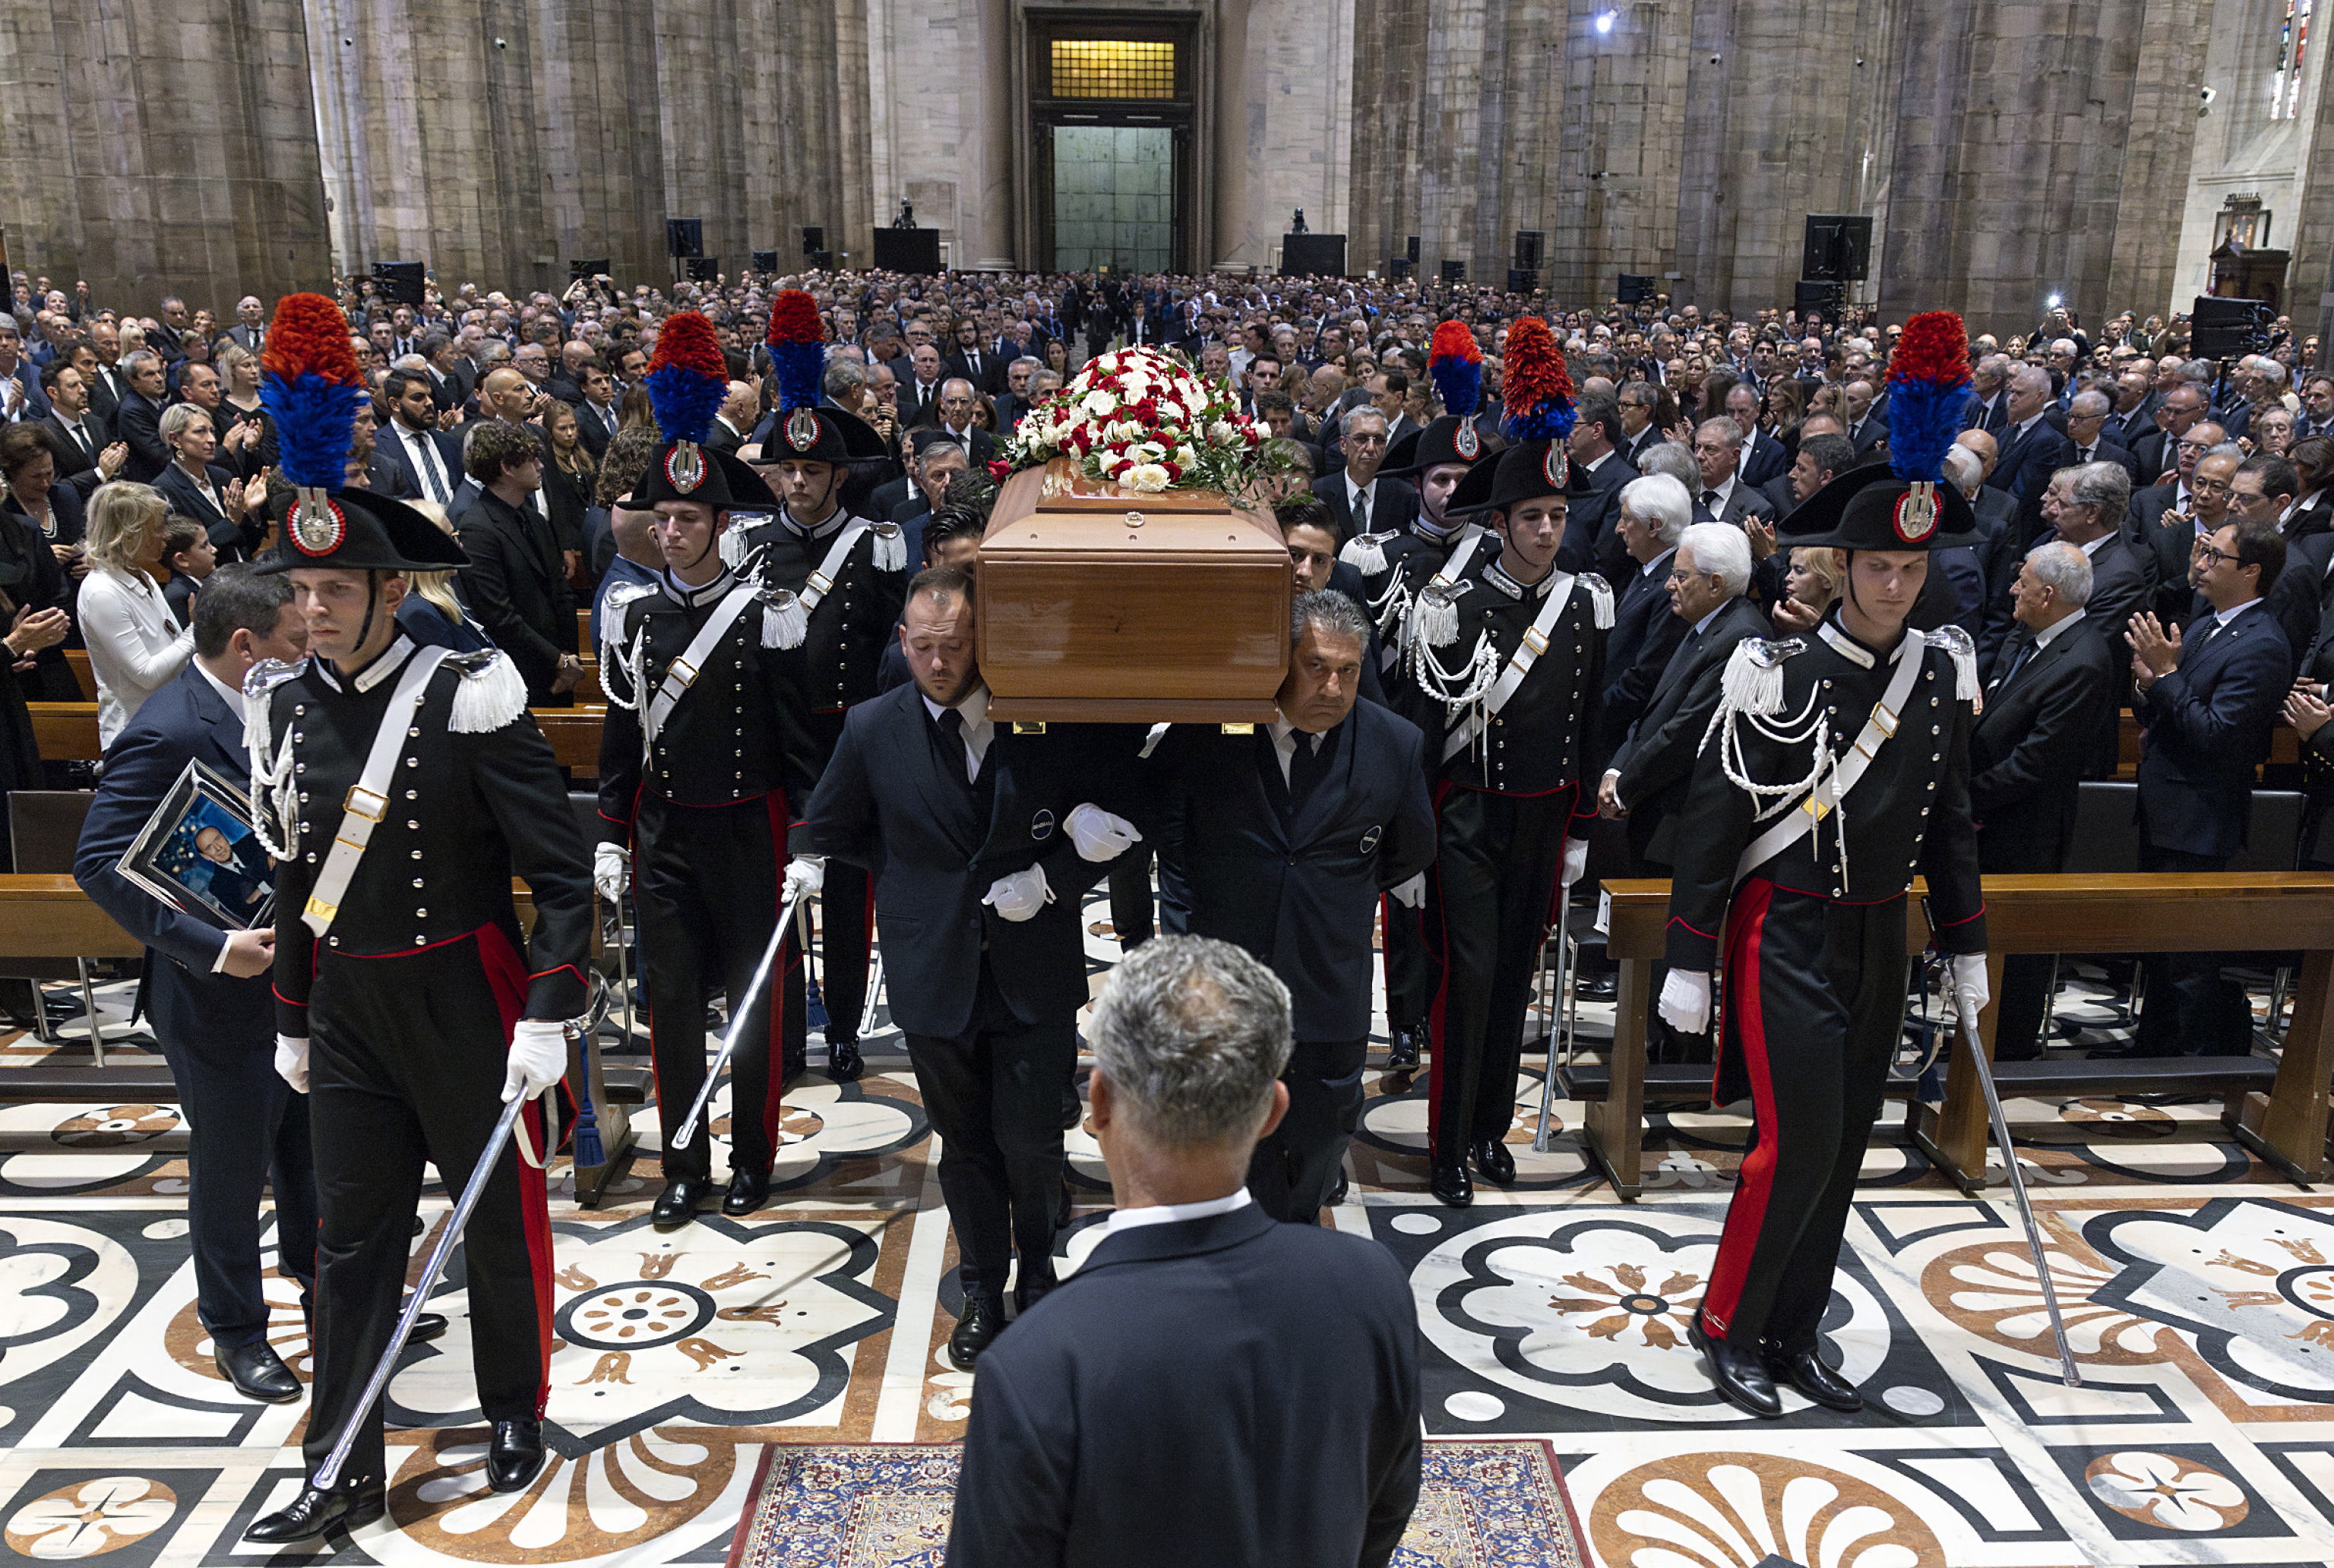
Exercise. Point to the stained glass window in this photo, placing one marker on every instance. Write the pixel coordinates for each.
(1114, 68)
(2292, 53)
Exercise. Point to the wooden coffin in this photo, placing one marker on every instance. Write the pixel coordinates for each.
(1104, 605)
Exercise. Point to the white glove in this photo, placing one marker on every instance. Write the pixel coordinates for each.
(537, 1059)
(612, 871)
(804, 874)
(1576, 862)
(1684, 1005)
(1411, 894)
(1021, 895)
(292, 1061)
(1099, 835)
(1971, 992)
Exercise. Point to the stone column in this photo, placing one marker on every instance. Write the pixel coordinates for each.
(988, 219)
(1389, 54)
(1450, 170)
(160, 149)
(1615, 202)
(704, 98)
(851, 227)
(604, 151)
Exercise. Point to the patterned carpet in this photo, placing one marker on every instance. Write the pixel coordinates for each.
(2200, 1285)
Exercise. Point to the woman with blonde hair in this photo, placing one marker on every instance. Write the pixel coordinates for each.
(239, 411)
(432, 613)
(134, 645)
(1809, 589)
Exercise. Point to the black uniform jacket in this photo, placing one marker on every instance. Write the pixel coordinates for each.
(886, 803)
(2029, 748)
(1656, 762)
(1540, 741)
(1908, 815)
(1263, 1377)
(466, 811)
(1301, 893)
(739, 731)
(839, 656)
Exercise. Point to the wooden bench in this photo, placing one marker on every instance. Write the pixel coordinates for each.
(67, 732)
(2277, 1107)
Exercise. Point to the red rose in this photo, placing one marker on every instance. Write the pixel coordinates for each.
(1000, 470)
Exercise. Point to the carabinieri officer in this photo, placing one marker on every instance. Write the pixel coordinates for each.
(401, 788)
(1838, 770)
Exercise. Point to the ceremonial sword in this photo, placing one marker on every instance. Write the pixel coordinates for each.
(789, 912)
(874, 985)
(328, 1474)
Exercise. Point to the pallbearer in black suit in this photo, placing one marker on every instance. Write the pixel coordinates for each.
(982, 843)
(706, 747)
(842, 580)
(1263, 1377)
(400, 790)
(1508, 711)
(1287, 838)
(1838, 772)
(1395, 565)
(2051, 695)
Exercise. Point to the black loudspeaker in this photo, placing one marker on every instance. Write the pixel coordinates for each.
(1522, 280)
(1318, 255)
(590, 268)
(1636, 288)
(398, 282)
(907, 250)
(1839, 249)
(1398, 268)
(1410, 250)
(704, 269)
(765, 261)
(685, 236)
(1822, 297)
(1454, 271)
(2225, 329)
(814, 239)
(1529, 243)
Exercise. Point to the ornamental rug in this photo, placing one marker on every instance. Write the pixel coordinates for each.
(1497, 1503)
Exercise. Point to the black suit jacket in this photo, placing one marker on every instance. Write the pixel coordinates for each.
(1656, 762)
(2037, 741)
(390, 444)
(2025, 467)
(516, 586)
(235, 541)
(105, 404)
(591, 430)
(1263, 1376)
(2106, 451)
(1646, 632)
(884, 804)
(2208, 727)
(74, 465)
(2169, 541)
(989, 381)
(1394, 504)
(139, 421)
(1767, 458)
(186, 720)
(1298, 888)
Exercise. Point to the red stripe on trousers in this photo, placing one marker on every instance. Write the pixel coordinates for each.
(1746, 921)
(507, 976)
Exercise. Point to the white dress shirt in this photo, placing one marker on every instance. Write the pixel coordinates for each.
(1169, 1213)
(1284, 742)
(421, 450)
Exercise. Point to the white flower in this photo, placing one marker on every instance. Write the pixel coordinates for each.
(1222, 433)
(1149, 452)
(1146, 477)
(1185, 456)
(1171, 412)
(1108, 460)
(1100, 405)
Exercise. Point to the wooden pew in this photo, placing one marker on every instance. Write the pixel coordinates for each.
(67, 732)
(77, 659)
(2278, 1109)
(2284, 747)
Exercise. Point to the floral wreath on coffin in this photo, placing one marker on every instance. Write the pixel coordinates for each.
(1147, 421)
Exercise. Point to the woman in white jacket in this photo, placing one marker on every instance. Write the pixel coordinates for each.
(135, 646)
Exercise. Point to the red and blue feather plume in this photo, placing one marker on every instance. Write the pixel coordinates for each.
(1928, 388)
(688, 377)
(1456, 366)
(797, 343)
(309, 384)
(1537, 386)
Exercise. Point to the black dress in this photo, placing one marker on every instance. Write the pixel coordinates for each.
(261, 452)
(29, 576)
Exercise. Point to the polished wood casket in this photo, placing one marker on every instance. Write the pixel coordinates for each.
(1100, 604)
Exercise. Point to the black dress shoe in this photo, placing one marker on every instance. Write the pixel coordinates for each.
(258, 1372)
(314, 1511)
(844, 1063)
(1739, 1373)
(749, 1190)
(1597, 987)
(1337, 1190)
(514, 1456)
(1806, 1371)
(1493, 1163)
(1402, 1050)
(677, 1204)
(1450, 1186)
(983, 1320)
(1033, 1285)
(427, 1327)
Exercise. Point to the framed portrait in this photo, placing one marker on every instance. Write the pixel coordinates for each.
(198, 854)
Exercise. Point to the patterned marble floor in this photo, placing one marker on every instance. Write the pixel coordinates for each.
(2200, 1286)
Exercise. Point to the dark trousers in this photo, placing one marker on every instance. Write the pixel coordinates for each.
(1411, 970)
(245, 1129)
(1295, 1166)
(994, 1095)
(1664, 1043)
(1499, 858)
(706, 880)
(845, 914)
(406, 1065)
(2025, 996)
(1130, 909)
(2190, 1009)
(1815, 999)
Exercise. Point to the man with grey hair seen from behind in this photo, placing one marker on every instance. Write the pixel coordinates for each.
(1210, 1387)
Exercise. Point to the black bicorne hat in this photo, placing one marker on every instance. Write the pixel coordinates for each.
(358, 531)
(1449, 439)
(818, 434)
(1871, 508)
(1523, 471)
(688, 471)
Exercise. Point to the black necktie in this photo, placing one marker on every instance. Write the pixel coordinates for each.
(80, 434)
(1710, 502)
(1307, 767)
(2083, 453)
(2018, 659)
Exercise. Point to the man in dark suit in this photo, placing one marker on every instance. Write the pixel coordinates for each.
(428, 460)
(1594, 447)
(976, 362)
(21, 400)
(2032, 449)
(1989, 404)
(2165, 520)
(1357, 498)
(2081, 507)
(952, 415)
(84, 455)
(596, 421)
(2051, 699)
(2207, 698)
(2087, 422)
(1264, 1376)
(516, 583)
(982, 842)
(138, 420)
(206, 988)
(1654, 514)
(1285, 839)
(1725, 497)
(1868, 426)
(919, 388)
(2183, 407)
(1757, 456)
